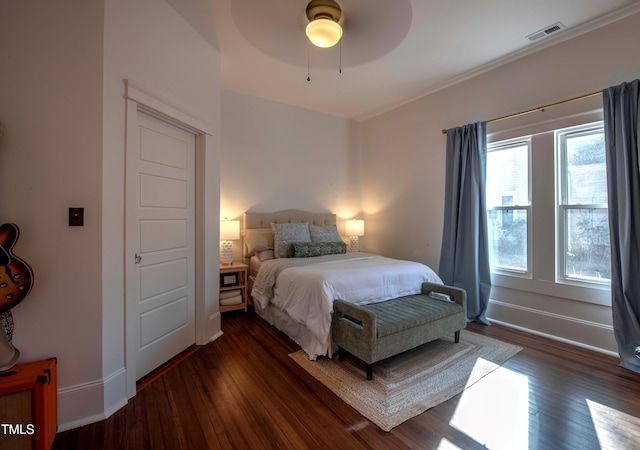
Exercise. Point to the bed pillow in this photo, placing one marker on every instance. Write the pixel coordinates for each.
(324, 234)
(307, 249)
(285, 234)
(258, 239)
(265, 255)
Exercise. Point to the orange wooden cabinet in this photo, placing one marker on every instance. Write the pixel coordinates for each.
(29, 405)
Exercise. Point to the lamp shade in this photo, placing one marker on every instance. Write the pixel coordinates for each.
(354, 227)
(229, 230)
(324, 33)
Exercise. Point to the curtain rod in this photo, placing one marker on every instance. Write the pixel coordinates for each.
(540, 108)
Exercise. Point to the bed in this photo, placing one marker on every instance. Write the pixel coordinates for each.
(300, 265)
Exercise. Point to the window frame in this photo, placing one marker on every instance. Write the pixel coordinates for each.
(542, 286)
(563, 205)
(517, 206)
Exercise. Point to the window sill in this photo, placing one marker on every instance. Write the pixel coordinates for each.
(596, 294)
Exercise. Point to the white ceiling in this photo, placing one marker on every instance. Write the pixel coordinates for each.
(393, 51)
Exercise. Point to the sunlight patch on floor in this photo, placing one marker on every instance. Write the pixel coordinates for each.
(495, 410)
(615, 429)
(447, 445)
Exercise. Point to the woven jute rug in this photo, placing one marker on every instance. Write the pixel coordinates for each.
(408, 384)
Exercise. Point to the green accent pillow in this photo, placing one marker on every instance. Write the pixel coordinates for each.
(307, 249)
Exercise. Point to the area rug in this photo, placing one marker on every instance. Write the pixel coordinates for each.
(408, 384)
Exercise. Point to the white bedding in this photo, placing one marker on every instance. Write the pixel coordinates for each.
(305, 288)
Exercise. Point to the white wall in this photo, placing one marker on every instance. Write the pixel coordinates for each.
(63, 109)
(276, 156)
(50, 160)
(404, 162)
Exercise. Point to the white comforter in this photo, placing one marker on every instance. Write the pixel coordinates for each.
(306, 287)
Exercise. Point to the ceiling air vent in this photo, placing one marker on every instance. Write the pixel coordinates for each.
(546, 31)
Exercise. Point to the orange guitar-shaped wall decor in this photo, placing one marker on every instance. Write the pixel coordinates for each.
(16, 281)
(16, 277)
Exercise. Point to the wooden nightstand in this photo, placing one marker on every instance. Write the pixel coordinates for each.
(233, 277)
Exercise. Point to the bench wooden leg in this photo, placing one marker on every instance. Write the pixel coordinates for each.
(457, 336)
(340, 354)
(369, 373)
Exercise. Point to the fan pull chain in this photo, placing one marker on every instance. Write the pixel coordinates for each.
(309, 60)
(308, 57)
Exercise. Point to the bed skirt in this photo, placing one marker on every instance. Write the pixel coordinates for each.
(297, 332)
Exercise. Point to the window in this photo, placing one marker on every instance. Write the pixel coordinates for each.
(508, 205)
(584, 252)
(547, 214)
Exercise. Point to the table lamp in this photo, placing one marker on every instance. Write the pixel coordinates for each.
(229, 231)
(353, 229)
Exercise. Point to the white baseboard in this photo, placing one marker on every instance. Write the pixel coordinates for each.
(115, 392)
(97, 400)
(215, 336)
(213, 328)
(91, 402)
(582, 333)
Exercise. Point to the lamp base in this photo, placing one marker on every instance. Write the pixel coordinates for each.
(226, 252)
(354, 244)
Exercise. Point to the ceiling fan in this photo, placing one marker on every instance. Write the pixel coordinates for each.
(369, 29)
(324, 28)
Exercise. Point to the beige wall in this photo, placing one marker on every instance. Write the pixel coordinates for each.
(404, 161)
(62, 105)
(50, 160)
(276, 156)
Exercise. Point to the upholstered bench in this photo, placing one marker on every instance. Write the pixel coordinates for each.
(377, 331)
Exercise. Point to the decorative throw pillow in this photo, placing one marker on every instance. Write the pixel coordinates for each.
(308, 249)
(285, 234)
(324, 234)
(258, 239)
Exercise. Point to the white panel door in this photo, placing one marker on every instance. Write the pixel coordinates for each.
(162, 234)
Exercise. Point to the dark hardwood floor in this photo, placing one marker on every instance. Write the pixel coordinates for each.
(243, 391)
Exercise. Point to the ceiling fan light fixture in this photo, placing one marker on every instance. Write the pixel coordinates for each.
(323, 29)
(324, 33)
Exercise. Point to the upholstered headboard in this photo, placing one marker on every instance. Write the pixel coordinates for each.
(253, 220)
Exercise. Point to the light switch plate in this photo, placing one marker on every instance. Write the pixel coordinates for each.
(76, 217)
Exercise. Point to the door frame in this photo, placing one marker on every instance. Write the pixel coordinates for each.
(139, 99)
